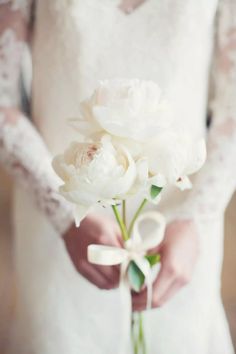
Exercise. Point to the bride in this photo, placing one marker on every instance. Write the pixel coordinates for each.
(189, 48)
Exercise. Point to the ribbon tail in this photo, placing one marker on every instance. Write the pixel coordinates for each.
(145, 267)
(149, 291)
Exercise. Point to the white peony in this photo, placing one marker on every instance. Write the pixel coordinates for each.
(173, 156)
(95, 172)
(123, 108)
(128, 148)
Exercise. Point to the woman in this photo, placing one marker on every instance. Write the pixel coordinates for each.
(74, 44)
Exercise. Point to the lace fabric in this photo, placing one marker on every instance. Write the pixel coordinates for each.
(213, 185)
(22, 150)
(10, 49)
(22, 5)
(216, 182)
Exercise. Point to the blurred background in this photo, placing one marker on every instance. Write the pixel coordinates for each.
(7, 273)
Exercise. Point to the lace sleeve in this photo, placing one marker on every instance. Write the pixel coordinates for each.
(216, 182)
(22, 150)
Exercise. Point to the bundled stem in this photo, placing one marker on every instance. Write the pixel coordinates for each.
(138, 337)
(121, 223)
(124, 211)
(139, 345)
(142, 205)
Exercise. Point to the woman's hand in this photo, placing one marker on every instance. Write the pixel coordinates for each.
(98, 230)
(179, 252)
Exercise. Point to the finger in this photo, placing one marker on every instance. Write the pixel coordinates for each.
(119, 238)
(173, 289)
(156, 249)
(140, 303)
(111, 273)
(163, 282)
(120, 241)
(93, 275)
(109, 277)
(111, 240)
(139, 300)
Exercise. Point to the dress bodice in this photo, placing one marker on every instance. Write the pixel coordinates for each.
(77, 43)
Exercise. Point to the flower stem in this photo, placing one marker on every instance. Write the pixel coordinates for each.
(124, 211)
(123, 229)
(141, 334)
(138, 336)
(134, 334)
(142, 205)
(139, 343)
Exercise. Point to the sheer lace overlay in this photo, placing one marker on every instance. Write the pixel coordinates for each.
(22, 5)
(22, 150)
(216, 182)
(10, 50)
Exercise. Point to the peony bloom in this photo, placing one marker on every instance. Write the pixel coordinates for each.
(128, 148)
(172, 156)
(123, 108)
(95, 172)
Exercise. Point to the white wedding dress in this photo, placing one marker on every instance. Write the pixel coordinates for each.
(75, 44)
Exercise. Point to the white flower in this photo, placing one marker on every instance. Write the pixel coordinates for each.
(94, 172)
(173, 156)
(145, 183)
(124, 108)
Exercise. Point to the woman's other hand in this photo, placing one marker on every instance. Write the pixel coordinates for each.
(179, 252)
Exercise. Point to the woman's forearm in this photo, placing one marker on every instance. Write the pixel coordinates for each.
(25, 156)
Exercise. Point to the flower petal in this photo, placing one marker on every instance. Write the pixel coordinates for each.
(80, 211)
(197, 157)
(183, 183)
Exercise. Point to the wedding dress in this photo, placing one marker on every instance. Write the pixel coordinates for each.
(76, 43)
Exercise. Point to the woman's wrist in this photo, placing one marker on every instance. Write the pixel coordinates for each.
(59, 213)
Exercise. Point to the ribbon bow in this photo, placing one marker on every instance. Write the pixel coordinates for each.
(134, 249)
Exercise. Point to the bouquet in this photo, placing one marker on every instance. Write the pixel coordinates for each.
(126, 146)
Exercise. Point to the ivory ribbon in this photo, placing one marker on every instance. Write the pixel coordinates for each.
(134, 250)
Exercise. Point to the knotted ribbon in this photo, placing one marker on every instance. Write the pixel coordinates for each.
(134, 249)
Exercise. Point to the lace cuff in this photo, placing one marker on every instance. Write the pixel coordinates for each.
(24, 155)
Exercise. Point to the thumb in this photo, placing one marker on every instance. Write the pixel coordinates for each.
(156, 250)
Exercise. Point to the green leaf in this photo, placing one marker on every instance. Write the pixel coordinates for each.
(153, 259)
(154, 191)
(135, 276)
